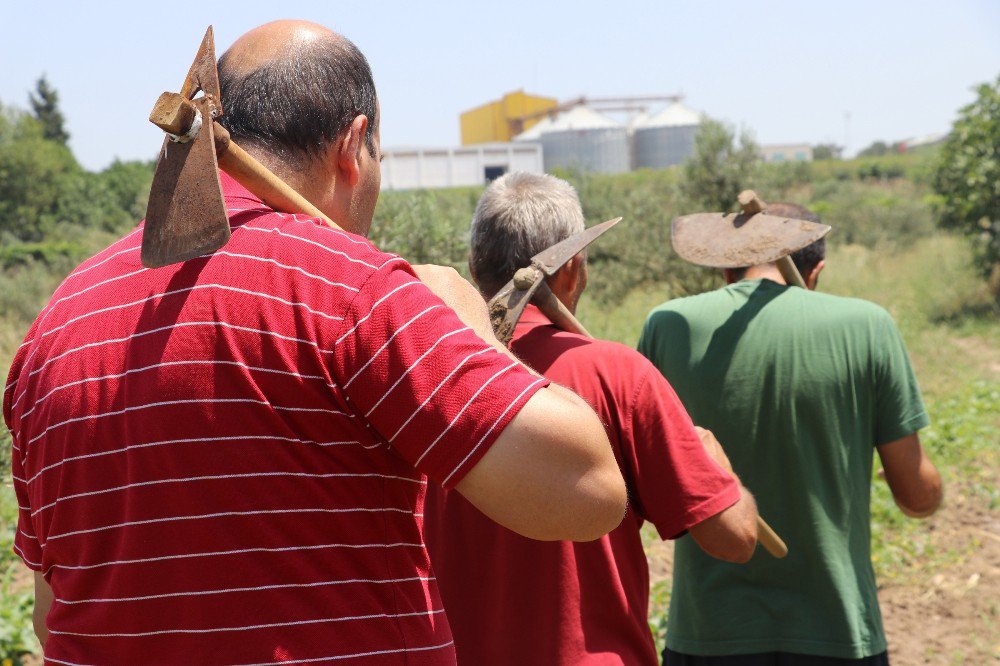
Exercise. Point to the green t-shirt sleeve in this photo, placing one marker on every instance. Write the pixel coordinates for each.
(899, 407)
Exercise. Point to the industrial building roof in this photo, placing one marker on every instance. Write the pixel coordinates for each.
(675, 115)
(577, 118)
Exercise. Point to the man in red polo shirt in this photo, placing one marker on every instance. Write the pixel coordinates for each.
(225, 460)
(511, 600)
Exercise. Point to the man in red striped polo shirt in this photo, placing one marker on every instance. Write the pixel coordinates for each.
(512, 600)
(225, 461)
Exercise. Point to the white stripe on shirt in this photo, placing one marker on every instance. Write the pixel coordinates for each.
(213, 477)
(415, 363)
(168, 364)
(389, 342)
(438, 388)
(190, 401)
(356, 655)
(256, 588)
(237, 551)
(187, 440)
(372, 308)
(221, 287)
(471, 400)
(498, 419)
(226, 514)
(251, 627)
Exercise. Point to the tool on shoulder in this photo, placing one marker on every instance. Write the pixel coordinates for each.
(748, 238)
(528, 285)
(186, 216)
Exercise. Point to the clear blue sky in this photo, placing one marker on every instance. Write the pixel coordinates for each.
(789, 71)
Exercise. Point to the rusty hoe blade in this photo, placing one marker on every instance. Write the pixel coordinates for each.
(552, 258)
(741, 239)
(507, 306)
(186, 216)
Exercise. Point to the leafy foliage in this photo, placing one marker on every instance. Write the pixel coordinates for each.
(968, 179)
(45, 105)
(720, 167)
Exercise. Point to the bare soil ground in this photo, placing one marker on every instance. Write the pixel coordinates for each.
(952, 616)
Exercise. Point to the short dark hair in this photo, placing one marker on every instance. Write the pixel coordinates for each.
(295, 105)
(808, 257)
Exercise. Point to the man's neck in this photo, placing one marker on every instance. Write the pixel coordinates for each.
(765, 271)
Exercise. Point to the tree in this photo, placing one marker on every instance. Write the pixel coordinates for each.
(877, 149)
(968, 179)
(45, 106)
(827, 151)
(719, 168)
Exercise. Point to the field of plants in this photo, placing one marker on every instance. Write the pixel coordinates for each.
(939, 577)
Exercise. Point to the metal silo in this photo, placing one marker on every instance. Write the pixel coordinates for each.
(581, 139)
(666, 138)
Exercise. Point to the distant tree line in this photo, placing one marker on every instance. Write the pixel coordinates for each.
(46, 197)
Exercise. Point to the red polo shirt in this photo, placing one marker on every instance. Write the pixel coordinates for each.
(512, 600)
(223, 461)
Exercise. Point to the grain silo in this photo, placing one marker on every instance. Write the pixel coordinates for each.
(582, 139)
(666, 138)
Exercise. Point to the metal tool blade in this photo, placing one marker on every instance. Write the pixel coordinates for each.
(203, 74)
(507, 306)
(186, 216)
(737, 240)
(552, 258)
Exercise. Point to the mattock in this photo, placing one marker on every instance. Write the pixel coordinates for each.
(749, 238)
(528, 285)
(186, 216)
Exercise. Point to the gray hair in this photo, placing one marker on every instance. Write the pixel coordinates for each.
(519, 215)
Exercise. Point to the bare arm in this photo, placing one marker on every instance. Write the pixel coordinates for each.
(551, 474)
(732, 534)
(914, 481)
(43, 601)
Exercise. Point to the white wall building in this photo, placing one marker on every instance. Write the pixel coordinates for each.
(465, 166)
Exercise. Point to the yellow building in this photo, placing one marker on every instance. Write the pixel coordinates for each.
(500, 120)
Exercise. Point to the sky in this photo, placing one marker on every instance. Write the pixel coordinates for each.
(846, 72)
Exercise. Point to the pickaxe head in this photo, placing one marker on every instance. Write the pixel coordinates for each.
(507, 306)
(186, 216)
(748, 238)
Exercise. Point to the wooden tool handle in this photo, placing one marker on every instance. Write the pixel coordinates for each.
(768, 538)
(260, 180)
(788, 271)
(557, 313)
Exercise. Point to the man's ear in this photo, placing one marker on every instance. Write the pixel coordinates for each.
(813, 278)
(349, 149)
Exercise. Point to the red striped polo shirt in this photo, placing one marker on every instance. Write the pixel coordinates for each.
(225, 461)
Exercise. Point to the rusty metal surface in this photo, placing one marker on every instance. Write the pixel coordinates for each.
(186, 216)
(738, 240)
(203, 74)
(507, 306)
(552, 258)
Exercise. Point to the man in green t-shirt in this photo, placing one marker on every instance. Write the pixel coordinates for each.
(799, 387)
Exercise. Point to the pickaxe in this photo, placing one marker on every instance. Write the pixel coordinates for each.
(186, 216)
(748, 238)
(528, 284)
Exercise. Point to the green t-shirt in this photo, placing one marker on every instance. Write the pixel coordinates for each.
(798, 386)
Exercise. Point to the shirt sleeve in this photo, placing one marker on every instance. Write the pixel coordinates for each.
(26, 543)
(677, 483)
(428, 385)
(899, 407)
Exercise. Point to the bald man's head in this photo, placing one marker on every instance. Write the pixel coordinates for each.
(291, 88)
